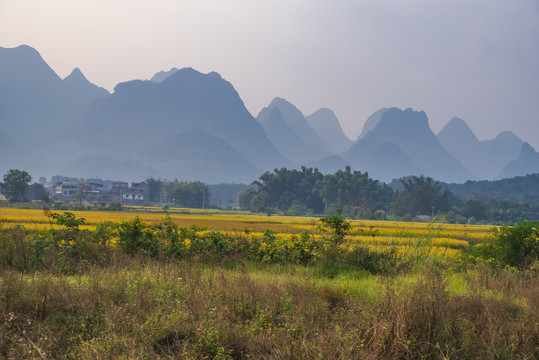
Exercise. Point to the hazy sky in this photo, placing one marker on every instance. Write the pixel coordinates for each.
(476, 59)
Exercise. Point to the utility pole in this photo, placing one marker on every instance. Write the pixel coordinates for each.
(203, 199)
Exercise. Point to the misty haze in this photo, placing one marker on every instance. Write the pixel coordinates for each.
(269, 180)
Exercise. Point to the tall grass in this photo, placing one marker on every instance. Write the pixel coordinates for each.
(161, 292)
(150, 309)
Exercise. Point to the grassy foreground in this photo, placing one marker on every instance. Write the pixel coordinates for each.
(140, 308)
(73, 294)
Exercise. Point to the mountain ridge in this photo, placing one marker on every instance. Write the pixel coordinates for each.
(184, 101)
(485, 159)
(48, 122)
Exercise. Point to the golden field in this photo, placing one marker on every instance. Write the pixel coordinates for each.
(444, 239)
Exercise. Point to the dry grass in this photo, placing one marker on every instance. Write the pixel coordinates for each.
(145, 309)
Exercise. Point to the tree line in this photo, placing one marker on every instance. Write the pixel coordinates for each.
(307, 191)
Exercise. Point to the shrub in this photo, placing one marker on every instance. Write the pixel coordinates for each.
(58, 205)
(337, 225)
(134, 235)
(519, 243)
(516, 245)
(114, 206)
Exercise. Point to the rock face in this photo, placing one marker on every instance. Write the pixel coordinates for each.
(297, 122)
(484, 159)
(140, 115)
(327, 126)
(527, 163)
(401, 144)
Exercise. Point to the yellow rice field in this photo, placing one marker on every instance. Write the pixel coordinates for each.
(442, 239)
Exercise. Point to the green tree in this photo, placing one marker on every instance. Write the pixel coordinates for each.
(519, 243)
(282, 188)
(337, 225)
(191, 194)
(15, 184)
(156, 187)
(308, 190)
(474, 208)
(354, 191)
(245, 199)
(36, 191)
(421, 195)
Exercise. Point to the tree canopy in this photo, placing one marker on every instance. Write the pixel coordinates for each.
(15, 184)
(421, 195)
(305, 191)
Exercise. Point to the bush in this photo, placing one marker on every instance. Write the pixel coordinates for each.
(134, 235)
(337, 225)
(519, 243)
(58, 205)
(114, 206)
(516, 245)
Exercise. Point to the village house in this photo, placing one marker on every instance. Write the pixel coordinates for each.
(95, 193)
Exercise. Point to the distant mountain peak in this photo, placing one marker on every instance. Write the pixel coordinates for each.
(296, 121)
(409, 130)
(325, 123)
(162, 75)
(23, 49)
(408, 119)
(527, 151)
(25, 64)
(77, 82)
(509, 137)
(457, 130)
(76, 76)
(527, 163)
(77, 71)
(185, 100)
(215, 74)
(371, 122)
(325, 111)
(180, 78)
(279, 101)
(190, 74)
(457, 122)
